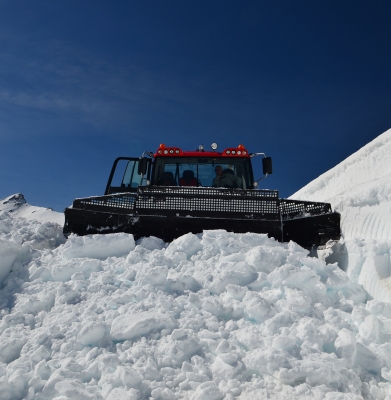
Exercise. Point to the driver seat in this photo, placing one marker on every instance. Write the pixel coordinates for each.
(188, 179)
(167, 179)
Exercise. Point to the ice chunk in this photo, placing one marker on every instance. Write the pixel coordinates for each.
(46, 236)
(370, 329)
(266, 360)
(386, 374)
(368, 359)
(8, 253)
(91, 333)
(122, 394)
(322, 369)
(345, 345)
(131, 326)
(151, 243)
(98, 246)
(73, 389)
(10, 348)
(228, 272)
(5, 222)
(207, 390)
(266, 259)
(228, 366)
(257, 308)
(63, 270)
(188, 244)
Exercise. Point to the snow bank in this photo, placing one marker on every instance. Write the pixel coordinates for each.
(359, 188)
(210, 316)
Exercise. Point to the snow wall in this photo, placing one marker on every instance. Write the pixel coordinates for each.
(360, 189)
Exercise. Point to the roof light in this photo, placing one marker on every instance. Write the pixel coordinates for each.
(162, 146)
(235, 152)
(165, 151)
(241, 147)
(171, 151)
(201, 147)
(177, 151)
(213, 146)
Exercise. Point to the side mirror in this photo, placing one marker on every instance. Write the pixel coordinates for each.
(142, 166)
(267, 165)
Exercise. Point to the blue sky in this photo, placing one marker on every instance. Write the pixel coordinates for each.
(83, 82)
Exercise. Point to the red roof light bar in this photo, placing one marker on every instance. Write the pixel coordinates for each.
(235, 151)
(168, 151)
(239, 151)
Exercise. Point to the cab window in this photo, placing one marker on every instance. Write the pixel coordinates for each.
(191, 171)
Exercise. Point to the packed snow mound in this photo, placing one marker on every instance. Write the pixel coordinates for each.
(17, 206)
(211, 316)
(359, 188)
(20, 234)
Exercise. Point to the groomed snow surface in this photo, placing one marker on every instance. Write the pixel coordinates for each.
(360, 189)
(210, 316)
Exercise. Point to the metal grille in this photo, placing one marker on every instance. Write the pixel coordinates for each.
(123, 201)
(194, 200)
(205, 191)
(297, 209)
(204, 202)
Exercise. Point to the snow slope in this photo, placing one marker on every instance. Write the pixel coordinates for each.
(17, 206)
(360, 189)
(210, 316)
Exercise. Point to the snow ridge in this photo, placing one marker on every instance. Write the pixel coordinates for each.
(18, 207)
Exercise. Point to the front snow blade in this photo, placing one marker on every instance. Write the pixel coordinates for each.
(309, 223)
(170, 212)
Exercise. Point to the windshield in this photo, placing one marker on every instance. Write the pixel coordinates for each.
(194, 171)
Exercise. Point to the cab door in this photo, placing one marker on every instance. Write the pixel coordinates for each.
(125, 176)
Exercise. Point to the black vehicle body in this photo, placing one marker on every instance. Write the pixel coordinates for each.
(168, 210)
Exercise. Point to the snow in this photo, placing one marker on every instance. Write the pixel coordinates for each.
(359, 188)
(210, 316)
(17, 206)
(96, 246)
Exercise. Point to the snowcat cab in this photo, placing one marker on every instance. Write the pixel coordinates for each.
(173, 192)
